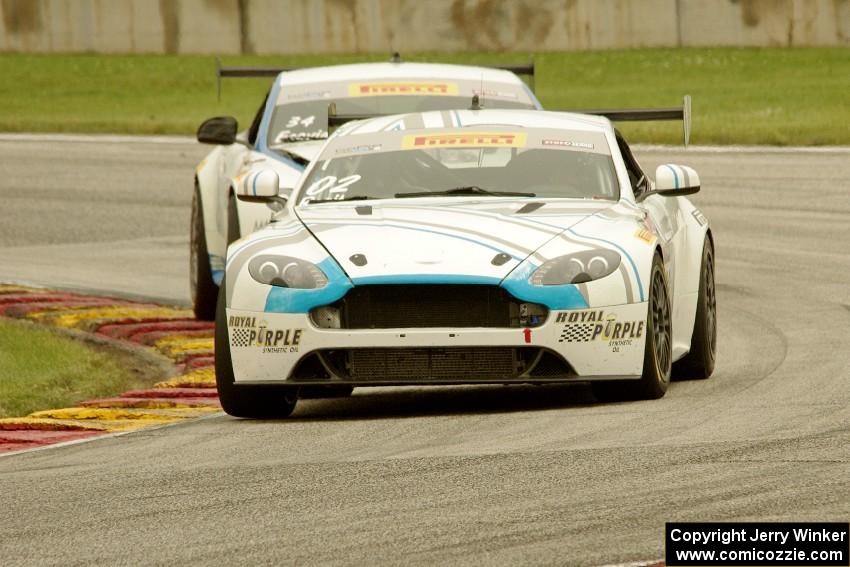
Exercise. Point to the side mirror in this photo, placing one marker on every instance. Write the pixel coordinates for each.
(220, 130)
(261, 186)
(673, 181)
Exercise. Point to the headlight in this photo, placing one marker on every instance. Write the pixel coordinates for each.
(576, 268)
(284, 271)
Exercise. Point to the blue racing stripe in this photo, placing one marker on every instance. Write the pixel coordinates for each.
(289, 300)
(217, 276)
(675, 175)
(565, 296)
(531, 95)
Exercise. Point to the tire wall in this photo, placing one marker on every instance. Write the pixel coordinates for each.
(214, 225)
(227, 27)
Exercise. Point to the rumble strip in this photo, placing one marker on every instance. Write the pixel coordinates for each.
(168, 331)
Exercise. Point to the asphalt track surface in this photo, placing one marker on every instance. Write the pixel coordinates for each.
(502, 475)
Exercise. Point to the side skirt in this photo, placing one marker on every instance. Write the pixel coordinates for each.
(362, 383)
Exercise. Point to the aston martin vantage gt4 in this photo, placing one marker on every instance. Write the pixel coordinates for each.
(492, 246)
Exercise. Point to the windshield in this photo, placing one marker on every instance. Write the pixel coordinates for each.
(460, 162)
(301, 112)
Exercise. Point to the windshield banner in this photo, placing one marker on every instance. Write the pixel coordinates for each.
(405, 88)
(491, 137)
(464, 140)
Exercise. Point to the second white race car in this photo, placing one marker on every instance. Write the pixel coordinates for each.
(290, 127)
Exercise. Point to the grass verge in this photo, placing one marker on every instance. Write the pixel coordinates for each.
(43, 369)
(741, 95)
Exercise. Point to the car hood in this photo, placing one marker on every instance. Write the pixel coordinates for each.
(440, 240)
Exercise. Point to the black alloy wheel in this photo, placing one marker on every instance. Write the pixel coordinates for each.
(699, 362)
(658, 352)
(657, 355)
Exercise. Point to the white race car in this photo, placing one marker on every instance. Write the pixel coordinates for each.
(292, 124)
(486, 246)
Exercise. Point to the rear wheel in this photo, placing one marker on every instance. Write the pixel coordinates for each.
(699, 362)
(257, 402)
(203, 288)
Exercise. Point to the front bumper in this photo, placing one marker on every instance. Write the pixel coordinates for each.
(601, 343)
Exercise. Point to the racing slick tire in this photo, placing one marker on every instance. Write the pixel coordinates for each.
(203, 288)
(234, 231)
(699, 362)
(658, 353)
(256, 402)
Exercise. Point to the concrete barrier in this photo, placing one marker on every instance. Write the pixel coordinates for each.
(381, 26)
(766, 23)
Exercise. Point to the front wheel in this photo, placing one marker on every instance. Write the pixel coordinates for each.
(658, 352)
(257, 402)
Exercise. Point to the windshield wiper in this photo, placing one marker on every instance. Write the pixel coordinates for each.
(467, 190)
(352, 198)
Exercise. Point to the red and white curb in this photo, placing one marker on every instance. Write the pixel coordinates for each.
(169, 331)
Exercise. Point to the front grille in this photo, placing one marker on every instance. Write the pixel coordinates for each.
(419, 306)
(412, 364)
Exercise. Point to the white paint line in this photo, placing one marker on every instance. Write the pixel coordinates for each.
(135, 139)
(105, 293)
(97, 138)
(742, 149)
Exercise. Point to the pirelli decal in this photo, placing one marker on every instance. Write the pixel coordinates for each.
(464, 140)
(403, 88)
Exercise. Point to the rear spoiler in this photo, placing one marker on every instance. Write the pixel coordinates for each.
(244, 72)
(526, 69)
(682, 113)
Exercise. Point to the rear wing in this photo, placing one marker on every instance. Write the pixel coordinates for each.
(526, 69)
(682, 113)
(244, 73)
